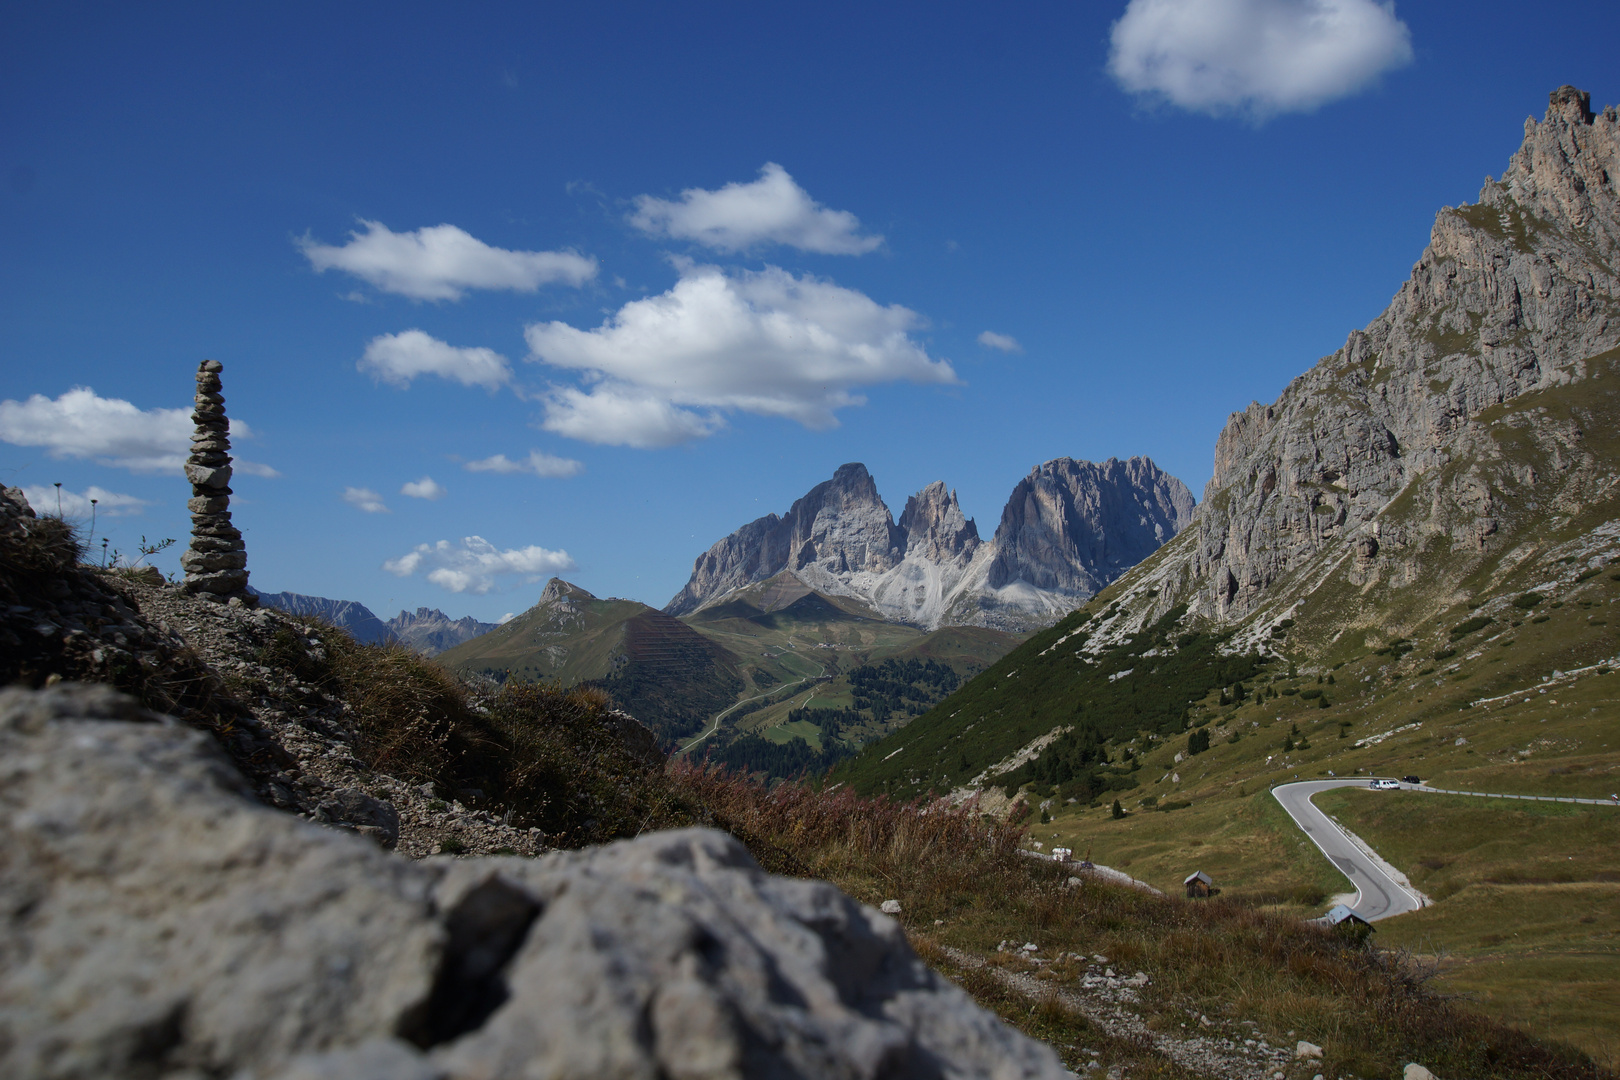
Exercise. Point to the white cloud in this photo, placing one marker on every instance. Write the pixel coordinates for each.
(252, 468)
(442, 262)
(365, 499)
(398, 358)
(47, 498)
(425, 488)
(536, 463)
(770, 210)
(504, 619)
(1255, 57)
(80, 424)
(474, 565)
(664, 369)
(1004, 342)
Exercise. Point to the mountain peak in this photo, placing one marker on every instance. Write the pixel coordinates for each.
(935, 528)
(558, 589)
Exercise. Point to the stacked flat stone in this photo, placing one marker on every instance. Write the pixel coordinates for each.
(216, 563)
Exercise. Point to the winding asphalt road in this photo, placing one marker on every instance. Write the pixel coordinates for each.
(1378, 896)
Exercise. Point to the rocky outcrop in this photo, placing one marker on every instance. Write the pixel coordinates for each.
(1073, 526)
(216, 562)
(1069, 529)
(935, 529)
(1377, 464)
(430, 631)
(161, 923)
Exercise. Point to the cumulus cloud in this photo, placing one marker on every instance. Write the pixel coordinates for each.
(442, 262)
(398, 358)
(425, 488)
(365, 499)
(536, 463)
(771, 210)
(664, 369)
(1255, 57)
(474, 564)
(111, 431)
(1002, 342)
(48, 499)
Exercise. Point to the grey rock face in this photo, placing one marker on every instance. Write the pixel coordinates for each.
(935, 528)
(1515, 293)
(841, 526)
(1074, 526)
(159, 923)
(216, 563)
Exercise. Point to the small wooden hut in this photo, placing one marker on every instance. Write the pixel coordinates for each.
(1200, 886)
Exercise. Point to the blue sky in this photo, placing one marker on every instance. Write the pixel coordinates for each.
(617, 278)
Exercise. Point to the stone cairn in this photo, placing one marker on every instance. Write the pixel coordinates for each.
(216, 563)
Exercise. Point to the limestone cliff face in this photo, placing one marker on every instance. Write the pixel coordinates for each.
(840, 527)
(1070, 528)
(1074, 526)
(935, 528)
(1377, 466)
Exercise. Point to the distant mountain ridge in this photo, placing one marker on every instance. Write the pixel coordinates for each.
(428, 631)
(1069, 528)
(359, 620)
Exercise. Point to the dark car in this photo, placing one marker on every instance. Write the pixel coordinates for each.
(1410, 780)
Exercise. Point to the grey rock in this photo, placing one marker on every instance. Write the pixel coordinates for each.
(351, 806)
(207, 504)
(208, 476)
(199, 561)
(160, 923)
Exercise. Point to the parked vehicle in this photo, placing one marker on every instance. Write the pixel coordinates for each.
(1385, 785)
(1410, 780)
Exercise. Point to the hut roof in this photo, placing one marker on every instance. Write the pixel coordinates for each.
(1198, 875)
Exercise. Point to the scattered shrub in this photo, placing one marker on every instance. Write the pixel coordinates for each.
(1469, 626)
(1528, 600)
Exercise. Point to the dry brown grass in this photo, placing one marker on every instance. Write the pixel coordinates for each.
(962, 883)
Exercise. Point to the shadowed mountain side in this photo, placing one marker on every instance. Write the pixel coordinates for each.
(658, 669)
(349, 615)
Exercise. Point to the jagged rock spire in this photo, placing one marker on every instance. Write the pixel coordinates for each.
(216, 562)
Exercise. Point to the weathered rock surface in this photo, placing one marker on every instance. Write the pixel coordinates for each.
(1069, 529)
(1073, 526)
(158, 922)
(1380, 466)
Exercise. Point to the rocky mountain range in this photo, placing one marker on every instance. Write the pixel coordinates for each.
(428, 631)
(359, 620)
(1069, 528)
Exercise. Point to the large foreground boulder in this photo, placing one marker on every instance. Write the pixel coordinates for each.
(158, 923)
